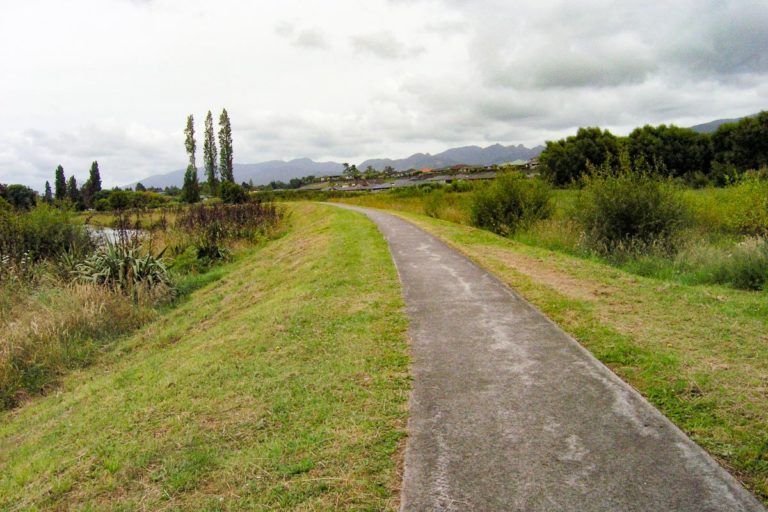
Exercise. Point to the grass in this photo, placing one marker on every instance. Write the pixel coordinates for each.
(283, 384)
(718, 247)
(698, 353)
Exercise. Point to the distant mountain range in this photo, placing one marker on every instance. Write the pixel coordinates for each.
(279, 170)
(712, 126)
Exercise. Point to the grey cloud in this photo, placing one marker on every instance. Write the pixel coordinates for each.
(312, 38)
(384, 45)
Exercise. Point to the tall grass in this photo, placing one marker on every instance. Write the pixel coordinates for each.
(211, 227)
(62, 298)
(55, 327)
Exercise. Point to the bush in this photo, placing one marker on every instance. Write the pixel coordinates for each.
(43, 233)
(125, 269)
(509, 203)
(210, 227)
(630, 211)
(751, 217)
(232, 193)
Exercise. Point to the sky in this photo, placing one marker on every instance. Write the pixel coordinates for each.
(114, 80)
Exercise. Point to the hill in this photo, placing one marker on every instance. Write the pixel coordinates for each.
(712, 126)
(261, 173)
(471, 155)
(280, 170)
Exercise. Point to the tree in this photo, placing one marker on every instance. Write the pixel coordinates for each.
(370, 173)
(190, 191)
(20, 196)
(565, 161)
(209, 155)
(73, 194)
(189, 141)
(225, 147)
(679, 151)
(743, 145)
(92, 186)
(48, 197)
(140, 187)
(60, 184)
(351, 172)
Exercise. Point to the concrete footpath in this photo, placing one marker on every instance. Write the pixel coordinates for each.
(510, 413)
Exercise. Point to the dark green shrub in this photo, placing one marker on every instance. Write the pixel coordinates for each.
(21, 197)
(232, 193)
(509, 203)
(630, 211)
(43, 233)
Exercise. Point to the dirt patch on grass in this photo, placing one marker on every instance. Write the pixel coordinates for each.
(537, 268)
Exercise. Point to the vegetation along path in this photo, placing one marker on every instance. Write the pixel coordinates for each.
(510, 413)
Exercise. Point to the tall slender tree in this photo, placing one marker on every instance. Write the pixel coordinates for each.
(73, 194)
(189, 141)
(48, 197)
(225, 147)
(210, 154)
(92, 186)
(60, 184)
(190, 191)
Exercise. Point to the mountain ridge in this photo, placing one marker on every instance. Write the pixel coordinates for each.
(284, 170)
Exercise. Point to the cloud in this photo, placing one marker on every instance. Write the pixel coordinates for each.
(384, 45)
(311, 38)
(422, 75)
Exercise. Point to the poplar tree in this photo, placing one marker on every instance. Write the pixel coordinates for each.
(48, 197)
(209, 155)
(60, 184)
(190, 191)
(92, 185)
(73, 194)
(225, 147)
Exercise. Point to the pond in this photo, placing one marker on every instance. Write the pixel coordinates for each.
(110, 235)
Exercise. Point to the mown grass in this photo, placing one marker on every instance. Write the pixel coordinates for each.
(698, 353)
(281, 385)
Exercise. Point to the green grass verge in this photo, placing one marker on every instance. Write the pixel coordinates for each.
(281, 385)
(698, 353)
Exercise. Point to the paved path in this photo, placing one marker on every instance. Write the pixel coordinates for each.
(510, 413)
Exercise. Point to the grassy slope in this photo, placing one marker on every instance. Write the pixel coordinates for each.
(699, 353)
(282, 385)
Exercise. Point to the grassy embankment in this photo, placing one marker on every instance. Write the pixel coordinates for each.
(281, 385)
(698, 353)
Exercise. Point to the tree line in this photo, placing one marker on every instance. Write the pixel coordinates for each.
(697, 158)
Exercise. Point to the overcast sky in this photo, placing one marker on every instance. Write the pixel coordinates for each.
(113, 80)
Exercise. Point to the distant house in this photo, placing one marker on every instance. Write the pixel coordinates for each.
(336, 177)
(532, 164)
(459, 167)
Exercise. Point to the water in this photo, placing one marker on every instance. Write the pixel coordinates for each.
(109, 235)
